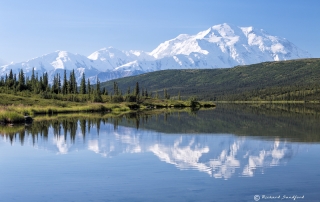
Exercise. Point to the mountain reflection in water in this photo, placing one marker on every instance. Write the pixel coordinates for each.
(223, 155)
(215, 147)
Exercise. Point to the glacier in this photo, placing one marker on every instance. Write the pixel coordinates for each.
(220, 46)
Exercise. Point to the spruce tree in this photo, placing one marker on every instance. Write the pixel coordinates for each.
(59, 83)
(2, 82)
(72, 83)
(55, 85)
(83, 85)
(10, 80)
(97, 93)
(41, 86)
(65, 83)
(6, 81)
(45, 81)
(88, 88)
(15, 82)
(21, 81)
(33, 80)
(75, 90)
(98, 86)
(11, 75)
(137, 90)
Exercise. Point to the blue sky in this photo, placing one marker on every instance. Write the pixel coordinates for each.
(32, 28)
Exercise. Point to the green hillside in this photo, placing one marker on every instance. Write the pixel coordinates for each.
(284, 80)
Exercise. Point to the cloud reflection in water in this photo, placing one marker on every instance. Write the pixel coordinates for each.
(218, 155)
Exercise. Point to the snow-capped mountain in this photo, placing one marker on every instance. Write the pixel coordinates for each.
(226, 46)
(54, 63)
(111, 58)
(240, 45)
(220, 46)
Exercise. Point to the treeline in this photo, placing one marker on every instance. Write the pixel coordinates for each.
(61, 88)
(135, 94)
(67, 89)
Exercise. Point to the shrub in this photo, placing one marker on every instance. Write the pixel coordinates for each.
(11, 117)
(117, 98)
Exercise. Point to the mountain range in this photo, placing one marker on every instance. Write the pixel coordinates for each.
(220, 46)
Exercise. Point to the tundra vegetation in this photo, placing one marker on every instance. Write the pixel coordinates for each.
(23, 96)
(293, 81)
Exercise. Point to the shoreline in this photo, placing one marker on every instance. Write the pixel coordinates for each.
(22, 114)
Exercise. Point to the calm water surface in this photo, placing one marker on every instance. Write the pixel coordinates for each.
(225, 154)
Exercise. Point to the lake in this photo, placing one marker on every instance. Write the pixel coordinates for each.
(230, 153)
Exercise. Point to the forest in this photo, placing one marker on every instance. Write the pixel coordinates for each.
(67, 89)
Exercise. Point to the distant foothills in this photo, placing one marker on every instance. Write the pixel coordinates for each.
(294, 80)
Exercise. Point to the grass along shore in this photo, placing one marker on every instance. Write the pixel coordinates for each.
(14, 108)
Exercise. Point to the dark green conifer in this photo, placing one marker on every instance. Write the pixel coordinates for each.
(83, 89)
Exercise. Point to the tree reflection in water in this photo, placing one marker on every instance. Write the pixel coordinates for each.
(224, 142)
